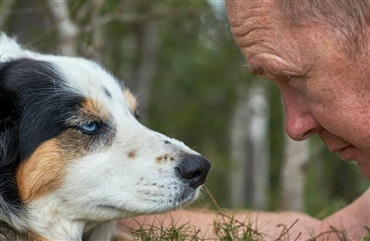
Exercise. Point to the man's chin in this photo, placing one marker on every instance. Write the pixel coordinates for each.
(363, 161)
(365, 167)
(353, 153)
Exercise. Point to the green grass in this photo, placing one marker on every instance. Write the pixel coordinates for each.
(228, 228)
(171, 233)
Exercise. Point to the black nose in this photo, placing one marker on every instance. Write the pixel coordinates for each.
(193, 169)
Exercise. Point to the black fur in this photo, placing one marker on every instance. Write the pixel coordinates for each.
(8, 233)
(35, 105)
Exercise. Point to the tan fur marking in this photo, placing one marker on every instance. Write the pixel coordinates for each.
(131, 154)
(131, 100)
(42, 173)
(159, 160)
(162, 159)
(92, 107)
(39, 238)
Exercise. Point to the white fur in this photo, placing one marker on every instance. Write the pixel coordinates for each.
(105, 185)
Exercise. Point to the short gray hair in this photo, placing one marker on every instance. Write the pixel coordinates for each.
(350, 18)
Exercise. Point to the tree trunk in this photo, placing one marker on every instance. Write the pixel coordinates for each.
(296, 155)
(67, 30)
(147, 45)
(249, 150)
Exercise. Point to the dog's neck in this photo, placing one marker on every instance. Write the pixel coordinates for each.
(46, 221)
(9, 233)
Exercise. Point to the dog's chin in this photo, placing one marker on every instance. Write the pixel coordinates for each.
(179, 199)
(185, 197)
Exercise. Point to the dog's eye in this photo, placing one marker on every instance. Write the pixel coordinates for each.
(90, 127)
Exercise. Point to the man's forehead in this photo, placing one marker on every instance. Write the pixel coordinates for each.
(255, 21)
(240, 10)
(260, 30)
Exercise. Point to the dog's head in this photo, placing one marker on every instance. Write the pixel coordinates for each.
(69, 137)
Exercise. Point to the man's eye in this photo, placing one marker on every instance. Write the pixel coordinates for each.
(90, 127)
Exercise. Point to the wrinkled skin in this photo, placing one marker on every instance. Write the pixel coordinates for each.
(325, 92)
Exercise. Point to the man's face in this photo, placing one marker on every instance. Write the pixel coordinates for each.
(324, 91)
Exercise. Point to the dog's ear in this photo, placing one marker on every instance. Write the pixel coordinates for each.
(8, 133)
(8, 122)
(10, 202)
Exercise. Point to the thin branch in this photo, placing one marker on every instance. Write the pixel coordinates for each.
(286, 230)
(212, 198)
(138, 18)
(96, 32)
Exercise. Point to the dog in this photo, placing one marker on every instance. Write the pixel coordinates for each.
(74, 157)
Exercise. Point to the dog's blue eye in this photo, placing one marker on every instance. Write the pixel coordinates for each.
(89, 127)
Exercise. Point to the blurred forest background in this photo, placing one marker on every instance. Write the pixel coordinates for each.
(181, 60)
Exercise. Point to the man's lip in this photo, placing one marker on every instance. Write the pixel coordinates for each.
(347, 153)
(339, 149)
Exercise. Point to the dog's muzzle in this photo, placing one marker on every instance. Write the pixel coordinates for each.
(193, 169)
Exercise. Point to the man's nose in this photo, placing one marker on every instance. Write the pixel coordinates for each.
(300, 123)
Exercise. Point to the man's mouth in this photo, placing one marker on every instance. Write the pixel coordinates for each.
(338, 148)
(347, 153)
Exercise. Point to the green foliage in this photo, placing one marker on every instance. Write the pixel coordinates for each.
(276, 137)
(194, 91)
